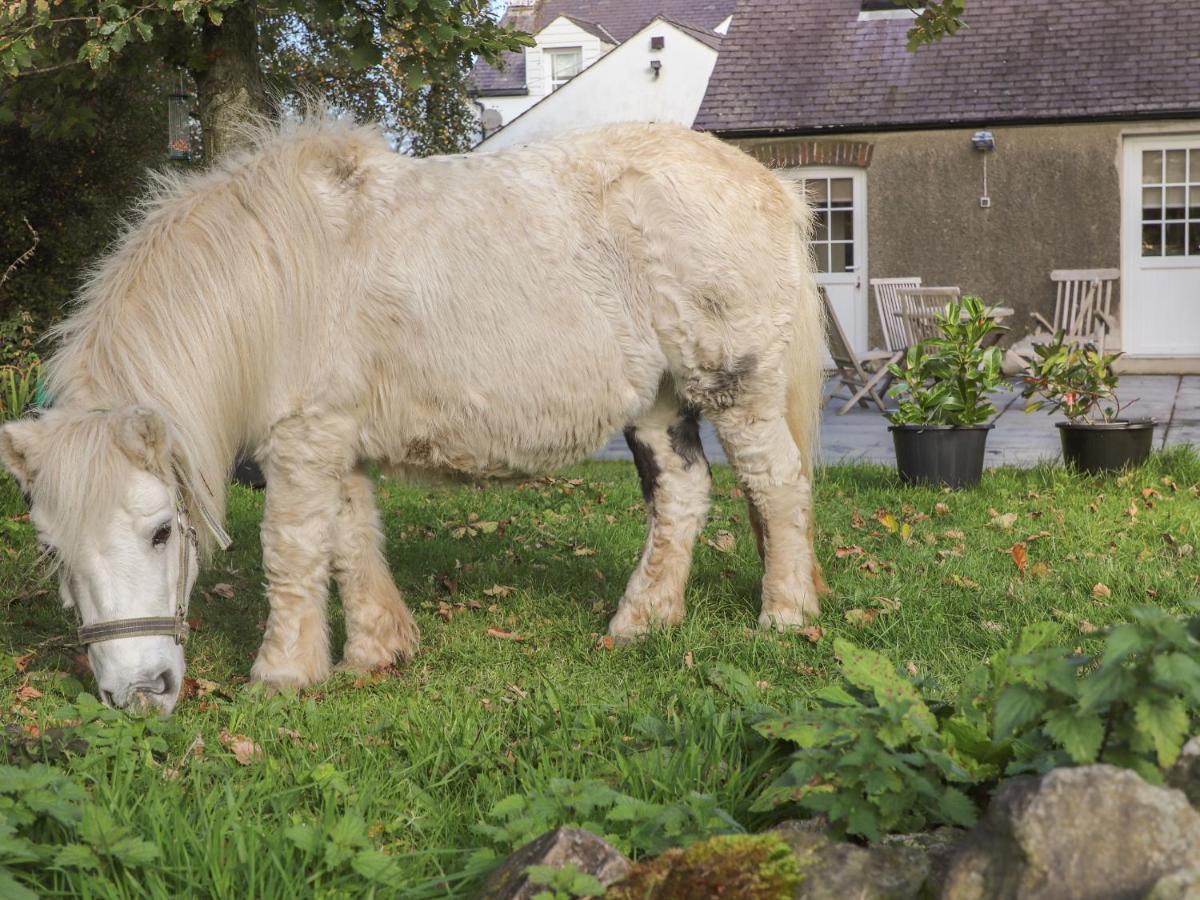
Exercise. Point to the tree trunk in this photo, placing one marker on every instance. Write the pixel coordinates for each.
(230, 84)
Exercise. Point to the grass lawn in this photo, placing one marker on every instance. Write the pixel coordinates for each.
(514, 686)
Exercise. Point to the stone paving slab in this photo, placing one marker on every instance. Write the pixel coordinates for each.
(1017, 440)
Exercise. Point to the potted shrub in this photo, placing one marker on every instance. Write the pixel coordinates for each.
(940, 428)
(1077, 379)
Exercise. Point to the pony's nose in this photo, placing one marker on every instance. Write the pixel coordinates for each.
(158, 685)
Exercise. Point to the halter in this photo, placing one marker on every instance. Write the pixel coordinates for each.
(168, 626)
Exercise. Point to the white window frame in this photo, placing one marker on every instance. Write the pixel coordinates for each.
(549, 55)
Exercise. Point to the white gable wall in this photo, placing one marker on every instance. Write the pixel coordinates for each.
(622, 88)
(562, 32)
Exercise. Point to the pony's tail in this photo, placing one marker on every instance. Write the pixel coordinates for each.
(804, 359)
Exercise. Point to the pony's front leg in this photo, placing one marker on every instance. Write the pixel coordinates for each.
(305, 459)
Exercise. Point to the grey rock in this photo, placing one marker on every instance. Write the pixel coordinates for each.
(558, 848)
(1185, 774)
(834, 870)
(939, 847)
(1090, 833)
(1183, 885)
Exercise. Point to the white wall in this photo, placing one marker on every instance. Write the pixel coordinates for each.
(562, 32)
(622, 88)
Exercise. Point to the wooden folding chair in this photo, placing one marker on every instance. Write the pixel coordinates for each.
(1082, 310)
(919, 308)
(888, 306)
(851, 371)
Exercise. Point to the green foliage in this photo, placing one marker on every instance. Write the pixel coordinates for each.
(1075, 378)
(565, 883)
(870, 757)
(945, 380)
(47, 820)
(18, 389)
(937, 19)
(341, 845)
(878, 755)
(635, 826)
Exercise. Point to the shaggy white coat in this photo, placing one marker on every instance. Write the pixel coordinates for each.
(323, 302)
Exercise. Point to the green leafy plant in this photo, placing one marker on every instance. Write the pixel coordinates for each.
(879, 755)
(635, 826)
(946, 380)
(18, 389)
(565, 883)
(871, 757)
(1075, 378)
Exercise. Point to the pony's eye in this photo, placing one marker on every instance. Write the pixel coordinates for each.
(161, 536)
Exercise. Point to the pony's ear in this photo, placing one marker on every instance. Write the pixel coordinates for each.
(21, 450)
(143, 435)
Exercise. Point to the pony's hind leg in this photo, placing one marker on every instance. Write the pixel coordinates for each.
(675, 484)
(764, 455)
(304, 459)
(379, 627)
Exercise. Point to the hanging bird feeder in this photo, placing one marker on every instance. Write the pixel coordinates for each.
(179, 126)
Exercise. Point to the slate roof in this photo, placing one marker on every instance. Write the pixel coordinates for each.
(620, 19)
(804, 66)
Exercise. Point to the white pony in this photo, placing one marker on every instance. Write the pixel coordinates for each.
(323, 302)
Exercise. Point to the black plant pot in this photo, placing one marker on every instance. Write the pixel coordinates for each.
(940, 454)
(1106, 446)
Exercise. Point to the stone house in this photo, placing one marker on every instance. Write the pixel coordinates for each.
(1093, 110)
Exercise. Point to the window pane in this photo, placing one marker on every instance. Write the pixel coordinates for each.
(841, 225)
(1174, 242)
(1175, 206)
(1194, 239)
(842, 192)
(1176, 163)
(1151, 240)
(1151, 203)
(821, 232)
(1151, 167)
(822, 254)
(1195, 167)
(818, 191)
(843, 257)
(565, 64)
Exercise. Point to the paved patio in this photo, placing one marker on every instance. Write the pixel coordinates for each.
(1017, 440)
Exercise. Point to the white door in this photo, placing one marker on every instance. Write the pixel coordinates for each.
(839, 201)
(1160, 246)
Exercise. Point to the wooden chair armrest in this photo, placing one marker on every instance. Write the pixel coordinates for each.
(1041, 321)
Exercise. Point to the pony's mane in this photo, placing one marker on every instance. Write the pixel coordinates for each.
(161, 320)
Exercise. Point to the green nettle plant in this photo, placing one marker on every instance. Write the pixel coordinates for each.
(1075, 378)
(946, 380)
(881, 755)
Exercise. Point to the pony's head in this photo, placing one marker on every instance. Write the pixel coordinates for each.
(104, 497)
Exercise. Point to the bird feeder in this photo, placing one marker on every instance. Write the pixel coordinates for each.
(179, 127)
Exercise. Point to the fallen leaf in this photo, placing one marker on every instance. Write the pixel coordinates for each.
(862, 616)
(911, 667)
(843, 552)
(1039, 569)
(1003, 522)
(1100, 591)
(1020, 557)
(26, 692)
(941, 509)
(223, 590)
(584, 551)
(504, 635)
(906, 532)
(993, 626)
(1037, 537)
(723, 541)
(21, 663)
(244, 750)
(962, 582)
(604, 642)
(814, 633)
(954, 535)
(1087, 627)
(889, 604)
(887, 520)
(688, 660)
(499, 590)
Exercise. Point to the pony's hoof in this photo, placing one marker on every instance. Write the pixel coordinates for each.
(785, 620)
(274, 680)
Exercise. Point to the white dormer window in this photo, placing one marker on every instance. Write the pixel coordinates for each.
(563, 64)
(887, 9)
